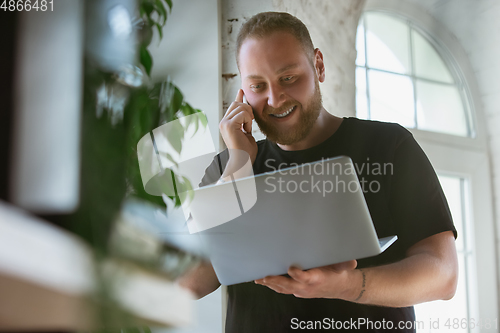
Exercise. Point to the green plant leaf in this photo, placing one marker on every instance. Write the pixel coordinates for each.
(188, 188)
(187, 184)
(175, 135)
(147, 7)
(177, 100)
(146, 59)
(182, 196)
(175, 181)
(162, 12)
(178, 202)
(171, 159)
(141, 106)
(188, 121)
(131, 330)
(169, 2)
(203, 120)
(160, 32)
(196, 126)
(184, 188)
(186, 109)
(146, 35)
(165, 96)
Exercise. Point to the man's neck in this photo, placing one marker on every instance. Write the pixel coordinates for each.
(323, 128)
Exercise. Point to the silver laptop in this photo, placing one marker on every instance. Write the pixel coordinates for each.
(310, 215)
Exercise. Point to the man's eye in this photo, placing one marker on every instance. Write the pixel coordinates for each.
(256, 86)
(288, 78)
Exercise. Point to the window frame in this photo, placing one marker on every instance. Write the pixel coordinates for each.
(449, 47)
(465, 157)
(449, 62)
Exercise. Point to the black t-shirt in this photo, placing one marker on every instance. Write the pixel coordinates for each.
(405, 199)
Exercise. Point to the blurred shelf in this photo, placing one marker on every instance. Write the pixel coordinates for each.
(47, 281)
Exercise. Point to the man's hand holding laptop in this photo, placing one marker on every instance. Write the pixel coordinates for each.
(318, 282)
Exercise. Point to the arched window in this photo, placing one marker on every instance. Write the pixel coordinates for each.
(403, 76)
(406, 75)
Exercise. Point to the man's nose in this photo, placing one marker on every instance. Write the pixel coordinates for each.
(276, 96)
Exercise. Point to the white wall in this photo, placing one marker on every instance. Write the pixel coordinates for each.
(190, 54)
(48, 98)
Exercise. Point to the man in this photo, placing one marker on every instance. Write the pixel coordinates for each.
(280, 72)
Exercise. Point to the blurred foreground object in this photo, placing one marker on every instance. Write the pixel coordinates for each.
(111, 38)
(48, 277)
(83, 100)
(48, 98)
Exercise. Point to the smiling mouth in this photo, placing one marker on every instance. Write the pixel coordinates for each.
(284, 114)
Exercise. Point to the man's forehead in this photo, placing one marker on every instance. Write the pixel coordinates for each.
(275, 54)
(273, 38)
(277, 72)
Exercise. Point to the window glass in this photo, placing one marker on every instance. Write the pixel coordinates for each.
(453, 192)
(361, 100)
(408, 82)
(391, 98)
(428, 63)
(438, 316)
(445, 312)
(387, 43)
(440, 108)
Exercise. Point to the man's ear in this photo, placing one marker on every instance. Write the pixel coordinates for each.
(319, 65)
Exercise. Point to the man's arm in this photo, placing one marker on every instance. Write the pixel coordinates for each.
(429, 272)
(201, 280)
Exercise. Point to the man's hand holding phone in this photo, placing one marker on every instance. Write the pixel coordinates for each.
(236, 127)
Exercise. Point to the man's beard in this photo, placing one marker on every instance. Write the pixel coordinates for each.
(289, 135)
